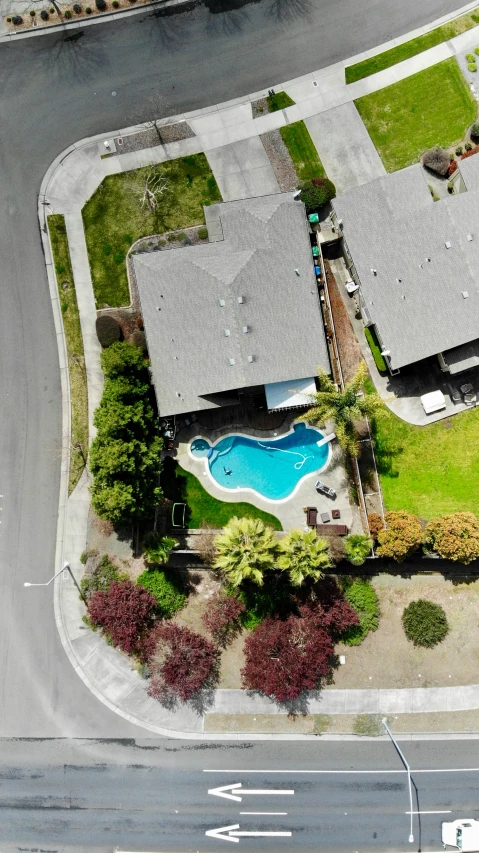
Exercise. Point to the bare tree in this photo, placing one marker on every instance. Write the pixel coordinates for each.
(155, 107)
(148, 189)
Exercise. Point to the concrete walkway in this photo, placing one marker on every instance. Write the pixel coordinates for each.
(69, 181)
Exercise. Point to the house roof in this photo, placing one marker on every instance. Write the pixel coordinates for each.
(424, 294)
(269, 328)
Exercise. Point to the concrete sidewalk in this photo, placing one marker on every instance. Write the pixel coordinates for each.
(69, 181)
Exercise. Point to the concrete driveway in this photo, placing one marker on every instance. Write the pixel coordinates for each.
(345, 147)
(243, 169)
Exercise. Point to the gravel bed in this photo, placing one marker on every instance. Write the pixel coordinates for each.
(280, 160)
(259, 107)
(149, 138)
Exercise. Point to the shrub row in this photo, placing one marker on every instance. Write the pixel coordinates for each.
(454, 536)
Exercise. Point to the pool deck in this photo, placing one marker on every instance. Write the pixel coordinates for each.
(290, 512)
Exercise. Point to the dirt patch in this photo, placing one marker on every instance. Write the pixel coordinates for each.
(280, 160)
(150, 137)
(259, 107)
(349, 350)
(387, 659)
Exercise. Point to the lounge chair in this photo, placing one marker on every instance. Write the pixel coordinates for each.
(465, 389)
(323, 489)
(470, 399)
(455, 396)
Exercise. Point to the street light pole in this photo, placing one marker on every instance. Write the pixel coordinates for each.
(396, 745)
(66, 568)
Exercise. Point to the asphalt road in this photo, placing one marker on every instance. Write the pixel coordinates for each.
(55, 90)
(153, 796)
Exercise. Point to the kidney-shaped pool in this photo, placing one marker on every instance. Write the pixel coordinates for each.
(271, 467)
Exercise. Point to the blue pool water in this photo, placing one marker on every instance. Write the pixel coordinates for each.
(272, 467)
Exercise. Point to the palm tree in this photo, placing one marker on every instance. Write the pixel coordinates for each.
(303, 555)
(245, 549)
(158, 548)
(357, 547)
(344, 408)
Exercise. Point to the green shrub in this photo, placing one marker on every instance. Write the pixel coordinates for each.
(470, 57)
(17, 20)
(468, 146)
(459, 150)
(115, 4)
(168, 593)
(44, 15)
(476, 51)
(471, 66)
(68, 14)
(158, 548)
(138, 338)
(32, 13)
(357, 548)
(102, 578)
(375, 349)
(119, 257)
(363, 598)
(9, 20)
(316, 193)
(88, 10)
(424, 623)
(261, 601)
(107, 329)
(203, 233)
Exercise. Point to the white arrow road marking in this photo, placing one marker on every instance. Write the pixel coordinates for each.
(233, 833)
(236, 790)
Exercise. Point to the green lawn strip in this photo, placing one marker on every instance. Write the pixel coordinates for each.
(113, 218)
(375, 348)
(279, 101)
(411, 48)
(202, 508)
(74, 340)
(405, 119)
(429, 470)
(303, 152)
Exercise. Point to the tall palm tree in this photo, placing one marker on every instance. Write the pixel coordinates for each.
(303, 556)
(245, 549)
(344, 408)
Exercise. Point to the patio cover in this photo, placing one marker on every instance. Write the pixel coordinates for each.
(433, 402)
(290, 394)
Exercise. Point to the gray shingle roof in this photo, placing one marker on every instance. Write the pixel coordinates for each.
(265, 240)
(417, 298)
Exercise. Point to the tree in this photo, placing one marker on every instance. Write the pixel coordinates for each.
(154, 107)
(344, 408)
(223, 617)
(316, 193)
(245, 550)
(401, 537)
(158, 548)
(437, 159)
(303, 556)
(148, 190)
(357, 547)
(454, 536)
(182, 664)
(375, 524)
(124, 611)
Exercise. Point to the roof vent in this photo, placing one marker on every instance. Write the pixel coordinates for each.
(403, 296)
(428, 260)
(178, 394)
(469, 237)
(448, 244)
(222, 303)
(240, 300)
(232, 362)
(227, 333)
(251, 358)
(465, 294)
(399, 280)
(245, 330)
(420, 266)
(374, 272)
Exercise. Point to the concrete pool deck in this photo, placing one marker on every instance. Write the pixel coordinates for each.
(290, 512)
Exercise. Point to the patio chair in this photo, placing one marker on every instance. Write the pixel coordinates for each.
(465, 389)
(455, 396)
(470, 399)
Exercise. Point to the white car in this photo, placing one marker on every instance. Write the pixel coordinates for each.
(461, 834)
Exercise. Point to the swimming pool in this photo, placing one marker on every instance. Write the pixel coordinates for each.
(272, 468)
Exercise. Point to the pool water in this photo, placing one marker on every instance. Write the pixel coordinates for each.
(270, 467)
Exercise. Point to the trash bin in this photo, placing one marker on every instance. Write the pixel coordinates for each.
(313, 217)
(315, 251)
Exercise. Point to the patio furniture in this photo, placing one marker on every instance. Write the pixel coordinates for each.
(178, 513)
(351, 286)
(465, 389)
(470, 399)
(311, 516)
(336, 513)
(328, 529)
(323, 489)
(455, 395)
(433, 402)
(325, 517)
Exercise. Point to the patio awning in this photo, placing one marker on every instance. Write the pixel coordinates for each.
(292, 394)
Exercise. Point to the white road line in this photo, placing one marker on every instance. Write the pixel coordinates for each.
(238, 834)
(354, 772)
(448, 811)
(269, 813)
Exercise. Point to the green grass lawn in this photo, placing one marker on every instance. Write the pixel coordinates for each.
(73, 335)
(429, 470)
(412, 47)
(433, 107)
(203, 508)
(303, 151)
(279, 101)
(113, 218)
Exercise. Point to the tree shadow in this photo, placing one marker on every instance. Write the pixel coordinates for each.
(386, 451)
(74, 57)
(174, 485)
(171, 29)
(287, 11)
(230, 22)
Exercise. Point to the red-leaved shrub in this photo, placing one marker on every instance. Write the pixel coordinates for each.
(452, 167)
(182, 664)
(329, 607)
(470, 153)
(223, 617)
(124, 611)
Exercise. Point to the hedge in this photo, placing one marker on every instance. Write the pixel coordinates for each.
(375, 349)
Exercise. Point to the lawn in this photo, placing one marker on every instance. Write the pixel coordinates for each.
(303, 151)
(203, 508)
(279, 101)
(113, 218)
(74, 340)
(433, 107)
(412, 47)
(429, 470)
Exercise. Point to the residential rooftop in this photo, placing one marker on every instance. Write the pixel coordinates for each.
(240, 312)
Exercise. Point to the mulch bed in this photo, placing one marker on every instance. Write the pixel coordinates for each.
(349, 349)
(150, 139)
(259, 107)
(280, 160)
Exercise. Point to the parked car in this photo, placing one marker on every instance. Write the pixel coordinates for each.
(461, 834)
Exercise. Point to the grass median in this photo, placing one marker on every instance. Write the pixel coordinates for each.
(433, 107)
(302, 150)
(74, 341)
(113, 218)
(411, 48)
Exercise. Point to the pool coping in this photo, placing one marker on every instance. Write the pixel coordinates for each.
(240, 490)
